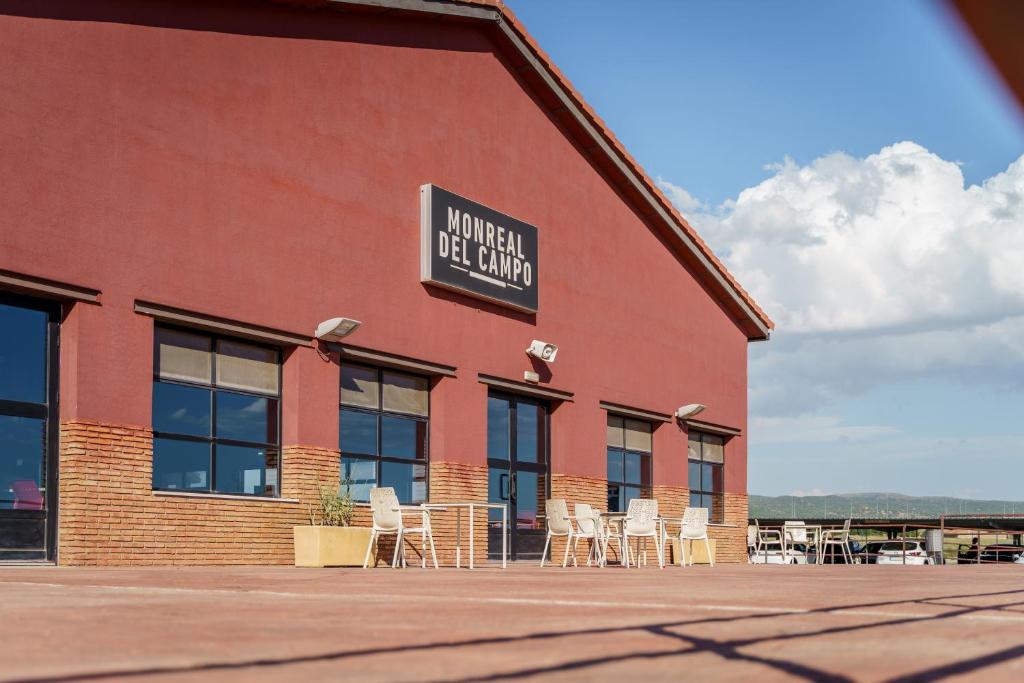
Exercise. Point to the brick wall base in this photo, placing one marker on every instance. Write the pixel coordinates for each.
(109, 514)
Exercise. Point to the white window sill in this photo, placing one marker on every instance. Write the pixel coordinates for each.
(226, 496)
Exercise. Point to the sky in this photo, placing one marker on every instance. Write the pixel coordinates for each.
(860, 169)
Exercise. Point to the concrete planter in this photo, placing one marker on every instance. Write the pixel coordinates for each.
(330, 546)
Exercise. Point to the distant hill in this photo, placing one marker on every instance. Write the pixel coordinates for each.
(875, 505)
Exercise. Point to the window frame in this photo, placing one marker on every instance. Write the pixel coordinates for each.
(213, 440)
(646, 489)
(711, 493)
(379, 413)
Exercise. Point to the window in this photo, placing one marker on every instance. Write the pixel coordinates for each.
(216, 414)
(383, 423)
(707, 476)
(629, 461)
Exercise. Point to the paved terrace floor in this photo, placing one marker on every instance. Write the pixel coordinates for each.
(830, 623)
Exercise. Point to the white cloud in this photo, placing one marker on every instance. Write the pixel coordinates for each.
(875, 269)
(683, 200)
(812, 429)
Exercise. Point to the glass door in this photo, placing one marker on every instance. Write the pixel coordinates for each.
(517, 474)
(28, 428)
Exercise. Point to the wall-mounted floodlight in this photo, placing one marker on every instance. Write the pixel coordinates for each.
(543, 350)
(336, 328)
(689, 410)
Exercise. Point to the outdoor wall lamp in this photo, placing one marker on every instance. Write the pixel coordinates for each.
(336, 328)
(689, 410)
(546, 351)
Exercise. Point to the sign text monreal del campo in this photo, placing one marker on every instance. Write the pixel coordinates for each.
(470, 248)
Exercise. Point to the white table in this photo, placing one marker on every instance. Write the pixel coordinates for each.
(610, 519)
(471, 506)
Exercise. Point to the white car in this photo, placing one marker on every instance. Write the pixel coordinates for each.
(893, 551)
(773, 555)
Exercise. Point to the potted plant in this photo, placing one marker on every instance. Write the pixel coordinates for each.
(329, 540)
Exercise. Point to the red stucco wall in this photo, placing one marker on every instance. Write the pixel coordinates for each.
(263, 164)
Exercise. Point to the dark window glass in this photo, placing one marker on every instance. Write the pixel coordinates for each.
(707, 473)
(631, 492)
(206, 437)
(614, 498)
(717, 479)
(22, 446)
(181, 465)
(694, 467)
(383, 438)
(247, 470)
(360, 475)
(531, 489)
(705, 477)
(402, 438)
(614, 464)
(529, 431)
(497, 491)
(22, 354)
(632, 468)
(243, 417)
(408, 479)
(497, 428)
(629, 461)
(358, 432)
(181, 409)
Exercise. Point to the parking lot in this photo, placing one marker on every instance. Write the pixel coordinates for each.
(815, 623)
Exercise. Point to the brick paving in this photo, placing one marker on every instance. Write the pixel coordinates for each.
(526, 623)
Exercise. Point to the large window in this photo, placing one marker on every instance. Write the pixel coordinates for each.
(629, 461)
(383, 424)
(216, 414)
(707, 477)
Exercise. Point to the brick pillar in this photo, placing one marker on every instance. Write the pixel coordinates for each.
(577, 489)
(732, 541)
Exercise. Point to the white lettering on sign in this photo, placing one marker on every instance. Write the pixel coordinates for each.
(472, 248)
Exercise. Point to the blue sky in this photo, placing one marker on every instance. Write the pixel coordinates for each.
(892, 270)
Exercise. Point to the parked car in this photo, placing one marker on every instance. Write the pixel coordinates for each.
(869, 553)
(1003, 553)
(835, 555)
(892, 552)
(772, 554)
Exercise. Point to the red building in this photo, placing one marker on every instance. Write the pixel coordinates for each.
(190, 188)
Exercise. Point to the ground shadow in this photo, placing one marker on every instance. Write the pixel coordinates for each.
(681, 645)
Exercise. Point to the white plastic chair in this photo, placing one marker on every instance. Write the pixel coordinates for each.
(588, 527)
(387, 521)
(641, 523)
(764, 537)
(793, 532)
(560, 525)
(751, 540)
(695, 528)
(840, 538)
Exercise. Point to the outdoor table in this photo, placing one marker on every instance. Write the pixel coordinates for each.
(471, 506)
(610, 518)
(810, 528)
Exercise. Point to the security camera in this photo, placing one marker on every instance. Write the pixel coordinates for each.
(690, 410)
(542, 350)
(336, 328)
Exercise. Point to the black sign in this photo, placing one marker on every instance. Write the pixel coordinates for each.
(470, 248)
